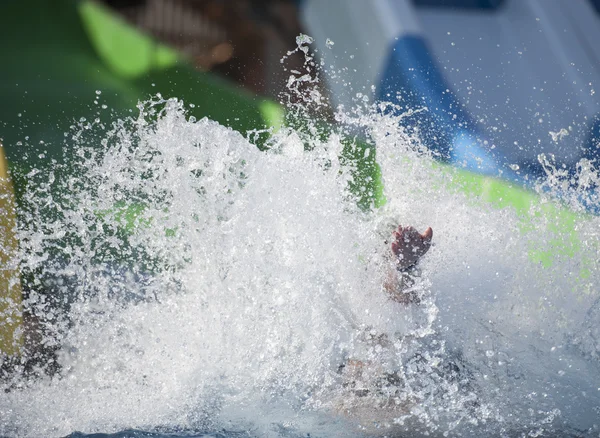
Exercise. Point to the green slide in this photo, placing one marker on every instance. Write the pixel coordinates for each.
(61, 52)
(57, 55)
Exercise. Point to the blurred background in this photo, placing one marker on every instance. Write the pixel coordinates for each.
(502, 80)
(66, 61)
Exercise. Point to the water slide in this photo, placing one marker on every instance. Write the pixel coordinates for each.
(74, 53)
(10, 284)
(82, 63)
(491, 87)
(502, 81)
(260, 291)
(76, 61)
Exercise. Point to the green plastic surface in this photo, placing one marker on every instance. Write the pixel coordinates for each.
(69, 50)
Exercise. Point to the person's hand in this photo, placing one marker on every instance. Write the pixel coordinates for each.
(409, 245)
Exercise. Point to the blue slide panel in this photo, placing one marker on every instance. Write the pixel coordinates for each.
(411, 79)
(466, 4)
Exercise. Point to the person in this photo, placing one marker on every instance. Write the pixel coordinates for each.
(407, 248)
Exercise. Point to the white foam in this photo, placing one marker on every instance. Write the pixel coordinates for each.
(250, 277)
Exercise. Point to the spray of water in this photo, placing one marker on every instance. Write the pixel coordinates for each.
(179, 278)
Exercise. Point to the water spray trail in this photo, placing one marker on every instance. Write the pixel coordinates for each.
(182, 279)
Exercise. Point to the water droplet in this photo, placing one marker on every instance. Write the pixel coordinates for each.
(303, 39)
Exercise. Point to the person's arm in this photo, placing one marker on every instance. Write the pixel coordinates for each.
(408, 247)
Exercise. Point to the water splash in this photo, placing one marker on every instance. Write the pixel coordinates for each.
(181, 279)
